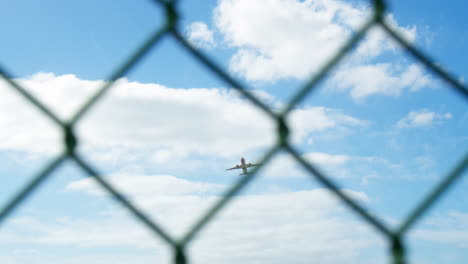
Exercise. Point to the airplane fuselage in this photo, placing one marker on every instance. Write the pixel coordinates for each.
(243, 166)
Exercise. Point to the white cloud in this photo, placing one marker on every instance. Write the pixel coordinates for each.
(160, 122)
(317, 119)
(282, 39)
(143, 185)
(290, 226)
(289, 39)
(278, 39)
(334, 165)
(382, 78)
(200, 35)
(422, 118)
(327, 159)
(377, 41)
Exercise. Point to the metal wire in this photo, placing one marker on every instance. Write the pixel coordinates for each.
(395, 238)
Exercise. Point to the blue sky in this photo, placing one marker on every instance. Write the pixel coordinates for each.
(380, 124)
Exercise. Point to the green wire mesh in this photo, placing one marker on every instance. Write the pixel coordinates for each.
(395, 236)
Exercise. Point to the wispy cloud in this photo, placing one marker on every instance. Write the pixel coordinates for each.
(422, 118)
(450, 228)
(382, 78)
(334, 165)
(200, 35)
(144, 185)
(327, 159)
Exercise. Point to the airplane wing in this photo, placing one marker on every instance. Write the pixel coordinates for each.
(252, 165)
(234, 168)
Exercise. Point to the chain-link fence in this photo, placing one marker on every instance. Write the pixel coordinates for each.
(170, 29)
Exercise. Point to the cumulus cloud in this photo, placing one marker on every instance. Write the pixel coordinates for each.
(284, 39)
(161, 122)
(422, 118)
(200, 35)
(305, 34)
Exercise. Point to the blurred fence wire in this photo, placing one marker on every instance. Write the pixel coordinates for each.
(395, 237)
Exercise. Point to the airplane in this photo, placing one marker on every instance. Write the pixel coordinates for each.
(244, 167)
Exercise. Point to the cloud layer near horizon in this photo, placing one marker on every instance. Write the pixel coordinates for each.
(294, 225)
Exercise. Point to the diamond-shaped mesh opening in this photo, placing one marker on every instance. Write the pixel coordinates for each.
(394, 237)
(143, 150)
